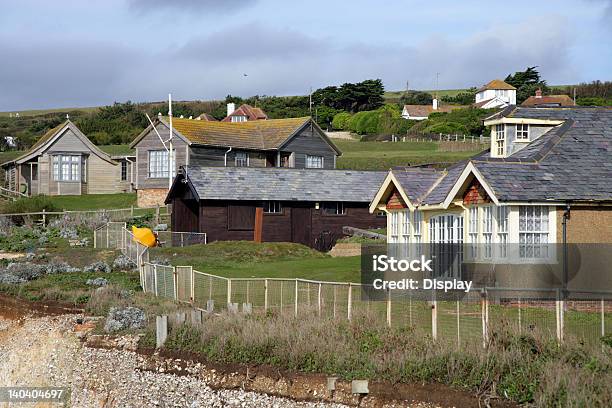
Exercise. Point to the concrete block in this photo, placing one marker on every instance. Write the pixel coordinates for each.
(210, 306)
(247, 308)
(359, 387)
(196, 317)
(331, 383)
(161, 324)
(232, 307)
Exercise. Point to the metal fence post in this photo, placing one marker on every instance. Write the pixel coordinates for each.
(296, 298)
(350, 301)
(603, 315)
(265, 295)
(389, 307)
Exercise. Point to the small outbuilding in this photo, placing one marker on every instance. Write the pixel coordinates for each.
(305, 206)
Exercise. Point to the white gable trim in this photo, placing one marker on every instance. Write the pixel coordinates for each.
(389, 180)
(469, 169)
(500, 121)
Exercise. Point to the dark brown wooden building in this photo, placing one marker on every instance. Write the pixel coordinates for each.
(277, 204)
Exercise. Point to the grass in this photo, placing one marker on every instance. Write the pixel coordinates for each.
(242, 259)
(94, 201)
(35, 112)
(527, 369)
(384, 155)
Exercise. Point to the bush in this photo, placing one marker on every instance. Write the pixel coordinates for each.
(29, 204)
(341, 121)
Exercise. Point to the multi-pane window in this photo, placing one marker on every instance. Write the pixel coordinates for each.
(500, 139)
(124, 170)
(238, 118)
(67, 168)
(533, 231)
(273, 207)
(314, 162)
(394, 226)
(502, 230)
(487, 231)
(241, 159)
(473, 231)
(418, 220)
(522, 132)
(406, 226)
(158, 164)
(335, 208)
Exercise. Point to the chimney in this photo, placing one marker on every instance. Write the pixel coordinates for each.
(538, 93)
(231, 107)
(435, 104)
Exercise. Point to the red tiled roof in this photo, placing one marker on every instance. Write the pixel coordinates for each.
(250, 112)
(549, 100)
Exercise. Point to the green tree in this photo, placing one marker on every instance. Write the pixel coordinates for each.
(416, 98)
(526, 83)
(341, 121)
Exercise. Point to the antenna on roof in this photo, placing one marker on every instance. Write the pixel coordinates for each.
(170, 161)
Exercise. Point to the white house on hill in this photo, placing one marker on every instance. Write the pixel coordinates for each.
(495, 94)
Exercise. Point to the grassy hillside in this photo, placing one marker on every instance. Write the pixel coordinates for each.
(384, 155)
(38, 112)
(393, 96)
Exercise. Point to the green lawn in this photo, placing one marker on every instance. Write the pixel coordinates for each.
(241, 259)
(94, 201)
(384, 155)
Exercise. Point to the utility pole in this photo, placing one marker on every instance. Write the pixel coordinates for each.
(170, 170)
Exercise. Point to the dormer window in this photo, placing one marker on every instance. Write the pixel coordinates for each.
(500, 140)
(239, 118)
(522, 132)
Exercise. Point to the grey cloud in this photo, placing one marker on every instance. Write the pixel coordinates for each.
(277, 61)
(190, 5)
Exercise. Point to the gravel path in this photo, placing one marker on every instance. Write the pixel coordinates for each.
(44, 351)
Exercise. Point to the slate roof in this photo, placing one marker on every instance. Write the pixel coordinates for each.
(282, 184)
(496, 84)
(571, 162)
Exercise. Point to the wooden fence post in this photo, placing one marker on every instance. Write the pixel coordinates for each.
(434, 319)
(319, 300)
(560, 305)
(350, 301)
(296, 298)
(229, 291)
(192, 288)
(265, 295)
(389, 307)
(484, 311)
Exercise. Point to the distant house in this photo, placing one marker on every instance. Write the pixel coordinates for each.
(548, 101)
(495, 94)
(294, 205)
(244, 113)
(65, 162)
(294, 142)
(422, 112)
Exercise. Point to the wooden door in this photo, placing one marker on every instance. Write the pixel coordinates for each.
(301, 225)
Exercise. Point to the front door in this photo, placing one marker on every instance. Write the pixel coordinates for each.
(446, 240)
(301, 225)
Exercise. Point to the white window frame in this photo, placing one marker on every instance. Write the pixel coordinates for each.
(487, 231)
(473, 230)
(67, 168)
(502, 217)
(314, 162)
(417, 226)
(272, 207)
(124, 166)
(238, 118)
(394, 227)
(241, 159)
(500, 139)
(334, 208)
(158, 164)
(522, 132)
(534, 231)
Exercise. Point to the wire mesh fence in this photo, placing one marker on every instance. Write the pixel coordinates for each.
(180, 239)
(465, 322)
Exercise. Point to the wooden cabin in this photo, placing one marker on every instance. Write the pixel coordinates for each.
(305, 206)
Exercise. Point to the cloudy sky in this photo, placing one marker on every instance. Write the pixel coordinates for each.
(67, 53)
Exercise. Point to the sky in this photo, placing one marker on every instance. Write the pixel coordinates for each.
(72, 53)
